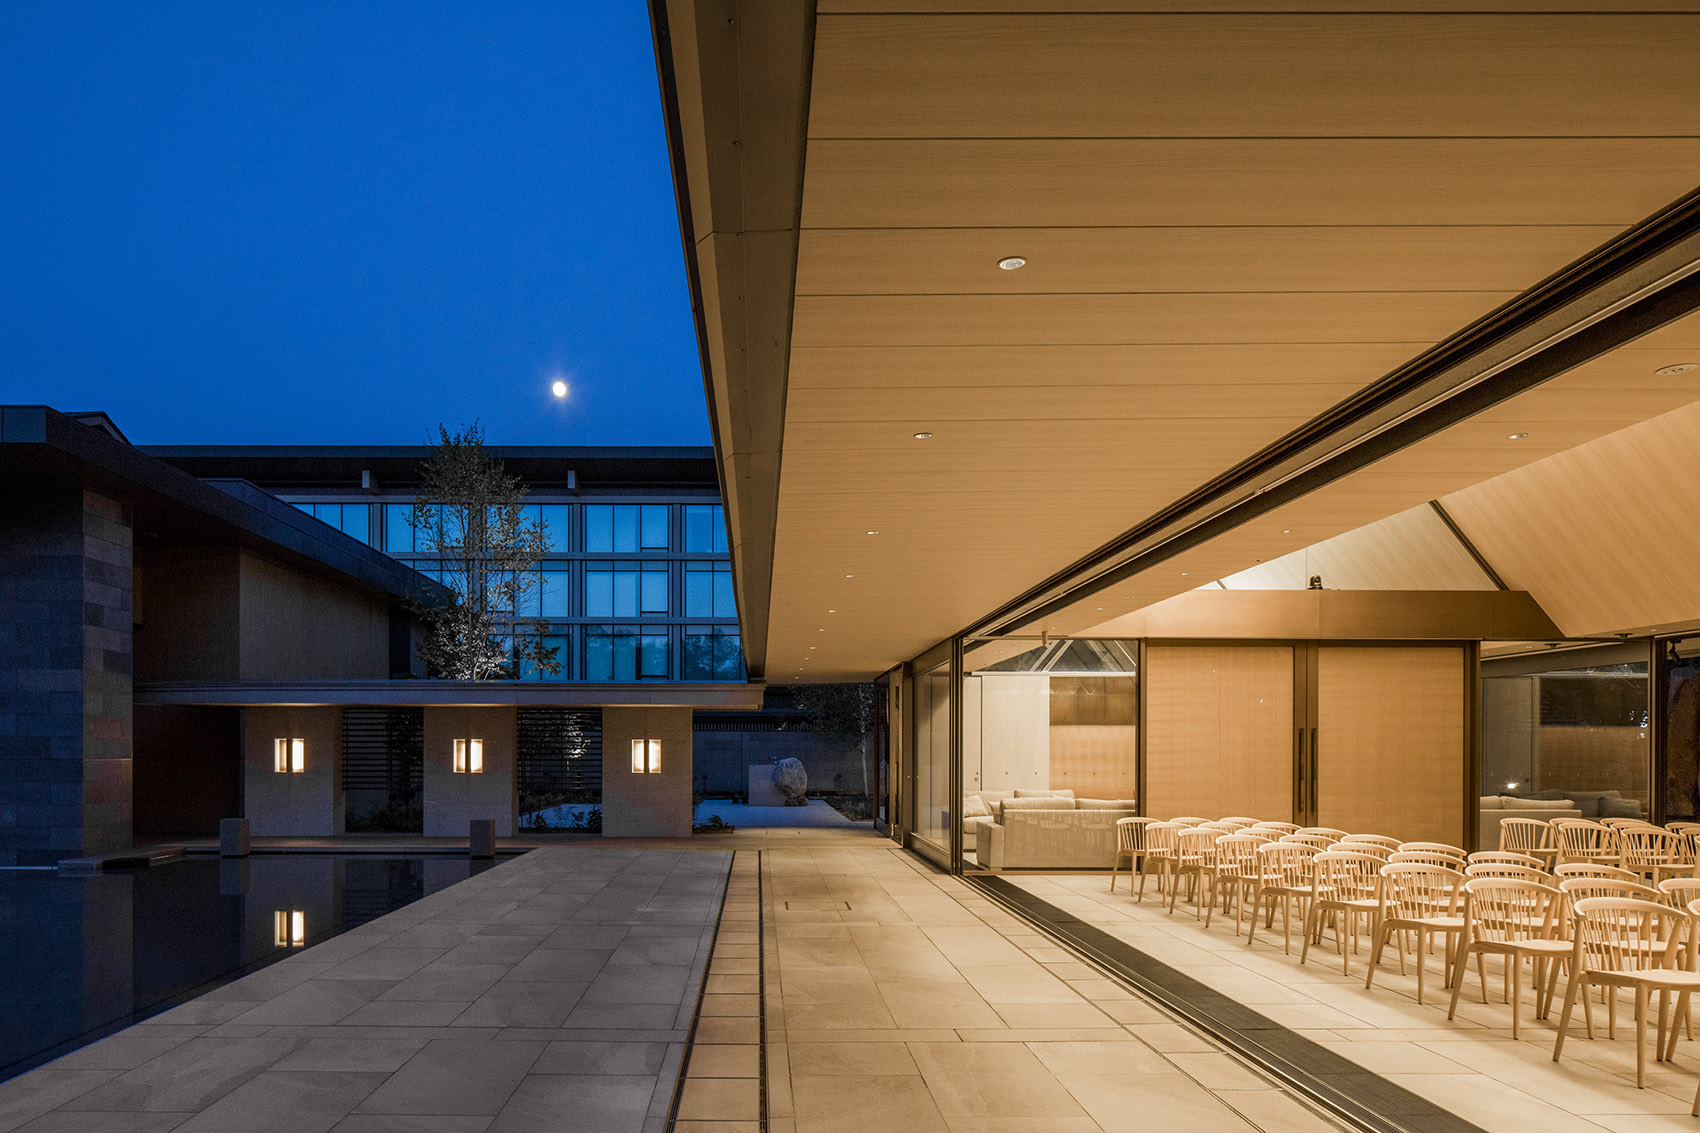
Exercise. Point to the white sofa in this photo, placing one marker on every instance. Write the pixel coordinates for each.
(1033, 831)
(1496, 808)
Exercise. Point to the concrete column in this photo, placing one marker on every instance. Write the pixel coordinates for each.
(286, 803)
(65, 674)
(646, 804)
(453, 800)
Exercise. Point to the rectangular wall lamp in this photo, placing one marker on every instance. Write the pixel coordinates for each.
(646, 756)
(469, 757)
(289, 928)
(289, 755)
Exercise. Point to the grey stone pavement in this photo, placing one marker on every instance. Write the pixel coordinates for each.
(554, 991)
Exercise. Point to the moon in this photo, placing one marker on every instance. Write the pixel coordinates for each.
(559, 388)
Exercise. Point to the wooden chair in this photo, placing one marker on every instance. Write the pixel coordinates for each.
(1528, 836)
(1159, 855)
(1195, 858)
(1519, 920)
(1348, 885)
(1652, 852)
(1428, 857)
(1434, 848)
(1235, 873)
(1381, 840)
(1679, 891)
(1594, 869)
(1427, 901)
(1189, 820)
(1239, 820)
(1276, 829)
(1583, 840)
(1624, 943)
(1625, 823)
(1130, 844)
(1283, 877)
(1329, 830)
(1320, 841)
(1509, 872)
(1582, 888)
(1504, 857)
(1380, 851)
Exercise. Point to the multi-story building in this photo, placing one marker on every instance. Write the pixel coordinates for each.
(637, 582)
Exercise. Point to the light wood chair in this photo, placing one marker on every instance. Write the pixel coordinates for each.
(1582, 888)
(1624, 943)
(1159, 855)
(1653, 852)
(1625, 823)
(1509, 872)
(1505, 857)
(1381, 840)
(1428, 857)
(1189, 820)
(1320, 841)
(1130, 844)
(1235, 874)
(1239, 820)
(1427, 901)
(1282, 877)
(1519, 920)
(1528, 836)
(1583, 840)
(1347, 885)
(1375, 848)
(1329, 830)
(1434, 848)
(1277, 828)
(1195, 859)
(1679, 891)
(1594, 869)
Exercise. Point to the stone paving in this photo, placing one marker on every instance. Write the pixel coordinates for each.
(555, 990)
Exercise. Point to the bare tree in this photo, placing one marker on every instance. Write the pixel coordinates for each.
(470, 512)
(847, 711)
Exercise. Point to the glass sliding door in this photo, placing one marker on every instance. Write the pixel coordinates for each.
(1219, 730)
(1681, 725)
(930, 752)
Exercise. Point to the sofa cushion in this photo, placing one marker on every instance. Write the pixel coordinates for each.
(973, 806)
(1047, 802)
(1620, 808)
(1020, 793)
(1511, 802)
(1105, 804)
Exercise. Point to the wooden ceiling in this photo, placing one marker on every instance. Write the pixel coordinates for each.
(1232, 220)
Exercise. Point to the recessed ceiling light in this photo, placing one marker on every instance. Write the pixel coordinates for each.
(873, 533)
(922, 436)
(1286, 530)
(849, 576)
(1515, 436)
(812, 648)
(1676, 368)
(832, 611)
(1184, 573)
(1012, 263)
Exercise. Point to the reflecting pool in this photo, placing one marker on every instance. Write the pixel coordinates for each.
(81, 957)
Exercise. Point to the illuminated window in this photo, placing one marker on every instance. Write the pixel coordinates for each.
(289, 755)
(469, 757)
(646, 756)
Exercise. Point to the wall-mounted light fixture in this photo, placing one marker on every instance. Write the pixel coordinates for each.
(289, 756)
(289, 928)
(646, 756)
(469, 757)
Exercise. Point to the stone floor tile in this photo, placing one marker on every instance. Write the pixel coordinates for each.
(67, 1121)
(991, 1080)
(189, 1077)
(727, 1029)
(129, 1048)
(843, 1103)
(442, 982)
(510, 1004)
(455, 1076)
(616, 1058)
(724, 1061)
(725, 1099)
(316, 1002)
(350, 1055)
(655, 983)
(1173, 1103)
(608, 1103)
(292, 1102)
(406, 1013)
(46, 1088)
(413, 1123)
(850, 1059)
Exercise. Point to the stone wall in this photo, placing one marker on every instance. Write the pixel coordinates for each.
(65, 674)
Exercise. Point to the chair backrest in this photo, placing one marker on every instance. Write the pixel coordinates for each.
(1683, 827)
(1341, 875)
(1160, 839)
(1220, 827)
(1505, 857)
(1594, 869)
(1279, 827)
(1432, 848)
(1196, 842)
(1509, 872)
(1189, 820)
(1616, 934)
(1580, 839)
(1320, 841)
(1130, 834)
(1285, 865)
(1679, 891)
(1385, 853)
(1519, 834)
(1239, 820)
(1425, 857)
(1582, 888)
(1329, 830)
(1411, 890)
(1624, 823)
(1504, 909)
(1235, 853)
(1372, 840)
(1644, 847)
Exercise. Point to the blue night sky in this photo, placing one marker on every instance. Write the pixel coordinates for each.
(324, 223)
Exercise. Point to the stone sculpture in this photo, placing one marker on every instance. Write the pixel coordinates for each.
(792, 780)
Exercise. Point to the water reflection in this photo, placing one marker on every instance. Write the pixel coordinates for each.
(81, 957)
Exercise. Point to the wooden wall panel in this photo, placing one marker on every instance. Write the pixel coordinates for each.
(1098, 761)
(1390, 741)
(1219, 730)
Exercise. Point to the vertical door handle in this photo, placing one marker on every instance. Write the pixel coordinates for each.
(1302, 773)
(1314, 760)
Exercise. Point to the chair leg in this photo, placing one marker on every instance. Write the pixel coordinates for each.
(1457, 988)
(1422, 962)
(1564, 1019)
(1256, 907)
(1114, 866)
(1515, 963)
(1640, 1033)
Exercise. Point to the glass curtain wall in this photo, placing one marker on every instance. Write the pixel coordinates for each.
(1050, 751)
(930, 720)
(1566, 735)
(1681, 725)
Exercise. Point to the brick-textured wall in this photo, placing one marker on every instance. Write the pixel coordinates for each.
(65, 674)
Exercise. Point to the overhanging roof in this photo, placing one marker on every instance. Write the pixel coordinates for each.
(1237, 224)
(719, 696)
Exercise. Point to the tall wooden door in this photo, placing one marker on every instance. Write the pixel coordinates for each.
(1388, 752)
(1219, 730)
